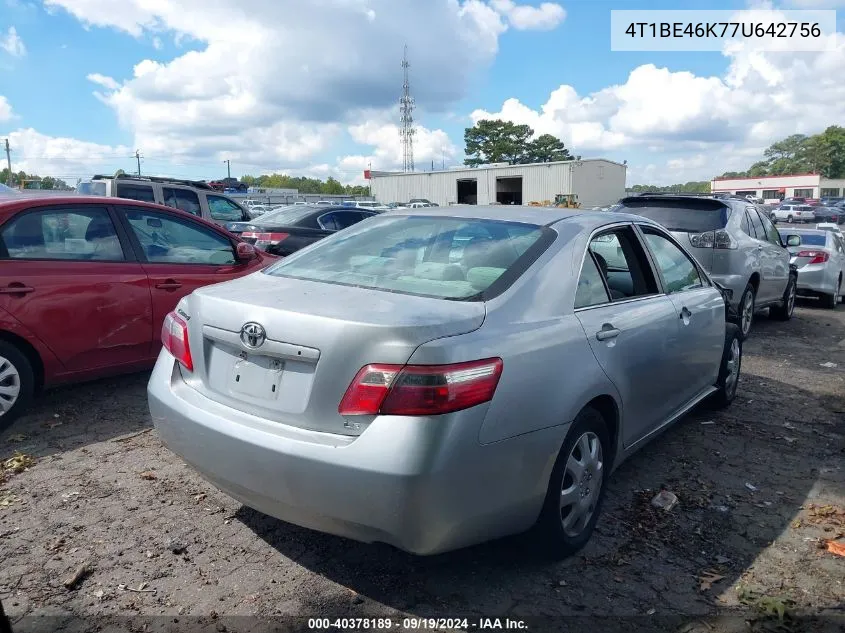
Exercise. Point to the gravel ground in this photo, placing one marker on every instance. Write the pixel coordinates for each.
(761, 487)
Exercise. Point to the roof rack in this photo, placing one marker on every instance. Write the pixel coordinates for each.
(198, 184)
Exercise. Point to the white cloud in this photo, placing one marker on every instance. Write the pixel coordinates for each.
(102, 80)
(61, 157)
(157, 44)
(5, 109)
(692, 126)
(12, 43)
(276, 80)
(545, 17)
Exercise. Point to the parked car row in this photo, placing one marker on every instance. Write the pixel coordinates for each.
(85, 284)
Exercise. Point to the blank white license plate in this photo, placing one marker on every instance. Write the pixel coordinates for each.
(257, 376)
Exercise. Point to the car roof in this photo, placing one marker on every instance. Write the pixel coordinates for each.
(541, 216)
(10, 206)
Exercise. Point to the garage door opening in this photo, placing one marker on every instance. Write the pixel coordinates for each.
(509, 190)
(468, 191)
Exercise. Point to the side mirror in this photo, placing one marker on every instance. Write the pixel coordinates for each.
(246, 252)
(793, 240)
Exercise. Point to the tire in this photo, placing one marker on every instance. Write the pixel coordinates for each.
(745, 316)
(831, 301)
(555, 538)
(15, 371)
(789, 219)
(729, 369)
(784, 311)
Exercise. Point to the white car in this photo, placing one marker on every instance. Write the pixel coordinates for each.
(829, 226)
(793, 213)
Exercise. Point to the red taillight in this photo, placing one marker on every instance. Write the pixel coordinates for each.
(421, 389)
(816, 257)
(266, 238)
(174, 338)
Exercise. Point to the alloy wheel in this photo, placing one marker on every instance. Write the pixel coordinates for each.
(10, 385)
(732, 379)
(790, 300)
(581, 485)
(747, 314)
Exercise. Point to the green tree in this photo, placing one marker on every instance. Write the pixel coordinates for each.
(496, 142)
(332, 186)
(546, 149)
(702, 186)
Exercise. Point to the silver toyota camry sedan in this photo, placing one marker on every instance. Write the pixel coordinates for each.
(433, 378)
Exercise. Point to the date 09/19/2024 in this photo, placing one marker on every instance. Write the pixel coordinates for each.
(416, 624)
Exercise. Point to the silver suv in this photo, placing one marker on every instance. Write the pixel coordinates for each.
(735, 242)
(197, 198)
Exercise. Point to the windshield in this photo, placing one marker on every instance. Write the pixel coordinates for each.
(91, 188)
(807, 239)
(693, 216)
(282, 216)
(445, 258)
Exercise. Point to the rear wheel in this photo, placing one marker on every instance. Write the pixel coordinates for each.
(576, 488)
(832, 300)
(729, 369)
(16, 383)
(789, 219)
(784, 311)
(746, 311)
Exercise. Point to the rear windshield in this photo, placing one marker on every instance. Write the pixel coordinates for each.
(807, 239)
(91, 188)
(284, 216)
(446, 258)
(694, 216)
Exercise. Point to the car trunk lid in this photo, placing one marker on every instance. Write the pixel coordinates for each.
(317, 336)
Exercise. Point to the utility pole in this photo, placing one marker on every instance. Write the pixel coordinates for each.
(138, 158)
(228, 168)
(9, 162)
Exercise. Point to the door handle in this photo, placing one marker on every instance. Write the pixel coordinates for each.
(607, 332)
(16, 289)
(169, 284)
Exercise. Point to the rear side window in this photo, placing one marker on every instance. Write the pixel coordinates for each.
(759, 231)
(591, 290)
(66, 234)
(142, 193)
(688, 216)
(446, 258)
(221, 208)
(623, 264)
(771, 232)
(183, 199)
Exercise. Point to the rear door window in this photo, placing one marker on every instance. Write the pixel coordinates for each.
(183, 199)
(224, 209)
(134, 191)
(678, 270)
(772, 234)
(164, 238)
(757, 223)
(77, 234)
(623, 264)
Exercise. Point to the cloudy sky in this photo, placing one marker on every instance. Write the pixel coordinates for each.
(311, 87)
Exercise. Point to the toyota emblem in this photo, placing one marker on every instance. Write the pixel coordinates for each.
(253, 335)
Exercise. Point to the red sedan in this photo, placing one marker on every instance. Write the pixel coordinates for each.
(85, 284)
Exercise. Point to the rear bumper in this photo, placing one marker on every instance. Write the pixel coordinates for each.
(816, 279)
(424, 485)
(735, 283)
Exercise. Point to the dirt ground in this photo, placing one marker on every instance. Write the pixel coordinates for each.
(761, 487)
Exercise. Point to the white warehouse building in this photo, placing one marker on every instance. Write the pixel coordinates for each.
(596, 182)
(774, 188)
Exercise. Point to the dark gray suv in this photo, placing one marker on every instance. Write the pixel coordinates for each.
(735, 242)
